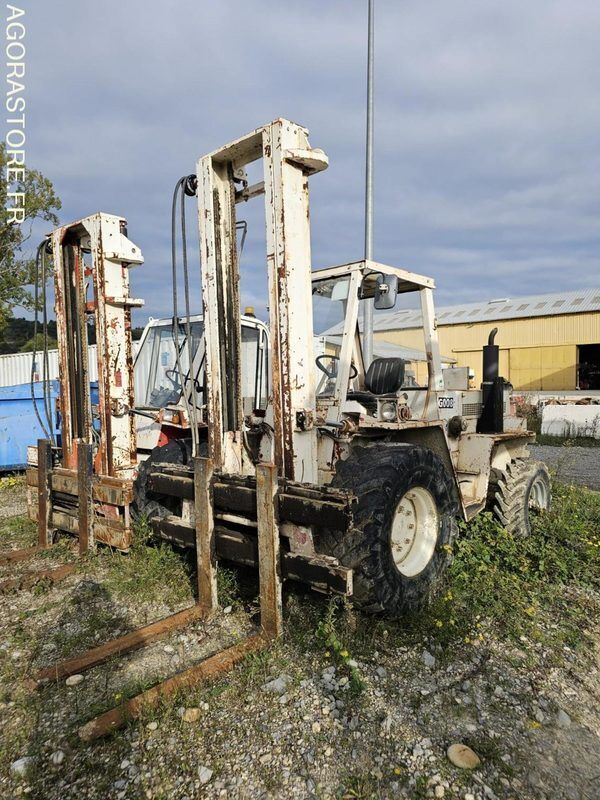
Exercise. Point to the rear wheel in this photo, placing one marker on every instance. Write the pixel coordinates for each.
(518, 492)
(403, 526)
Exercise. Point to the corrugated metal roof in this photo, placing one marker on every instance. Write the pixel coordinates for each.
(537, 305)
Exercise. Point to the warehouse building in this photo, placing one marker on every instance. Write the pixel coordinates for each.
(548, 342)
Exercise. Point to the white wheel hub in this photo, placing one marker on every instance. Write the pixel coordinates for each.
(415, 530)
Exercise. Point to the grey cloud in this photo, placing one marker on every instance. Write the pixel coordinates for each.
(487, 123)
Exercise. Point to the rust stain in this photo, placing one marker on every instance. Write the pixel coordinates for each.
(123, 644)
(207, 670)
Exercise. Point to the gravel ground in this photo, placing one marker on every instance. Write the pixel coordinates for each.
(294, 721)
(578, 465)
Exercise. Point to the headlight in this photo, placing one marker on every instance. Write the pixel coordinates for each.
(388, 411)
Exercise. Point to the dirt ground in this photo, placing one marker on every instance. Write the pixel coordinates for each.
(579, 465)
(341, 707)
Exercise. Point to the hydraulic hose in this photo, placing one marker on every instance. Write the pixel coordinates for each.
(180, 187)
(40, 262)
(188, 326)
(46, 360)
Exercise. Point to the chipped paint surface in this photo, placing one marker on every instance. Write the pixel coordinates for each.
(99, 290)
(92, 257)
(287, 160)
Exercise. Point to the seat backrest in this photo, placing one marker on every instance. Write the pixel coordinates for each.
(385, 375)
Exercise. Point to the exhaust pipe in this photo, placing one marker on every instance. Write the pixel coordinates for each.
(492, 389)
(491, 358)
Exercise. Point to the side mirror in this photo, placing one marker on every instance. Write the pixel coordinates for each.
(386, 292)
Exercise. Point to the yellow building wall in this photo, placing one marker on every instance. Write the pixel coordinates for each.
(538, 353)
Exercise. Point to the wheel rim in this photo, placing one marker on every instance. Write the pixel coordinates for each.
(415, 530)
(539, 494)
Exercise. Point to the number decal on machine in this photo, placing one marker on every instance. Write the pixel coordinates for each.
(445, 402)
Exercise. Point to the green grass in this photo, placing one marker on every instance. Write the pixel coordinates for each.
(17, 532)
(148, 573)
(519, 586)
(11, 481)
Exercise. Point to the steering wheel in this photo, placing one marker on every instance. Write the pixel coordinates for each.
(173, 376)
(175, 381)
(331, 374)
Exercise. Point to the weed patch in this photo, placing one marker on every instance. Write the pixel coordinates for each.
(149, 572)
(17, 532)
(523, 585)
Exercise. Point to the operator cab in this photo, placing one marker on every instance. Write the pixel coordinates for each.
(163, 386)
(336, 295)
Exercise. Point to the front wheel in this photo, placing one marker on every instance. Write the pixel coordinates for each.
(404, 524)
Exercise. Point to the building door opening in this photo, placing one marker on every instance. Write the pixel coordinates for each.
(588, 366)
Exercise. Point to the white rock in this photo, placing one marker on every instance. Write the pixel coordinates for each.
(204, 774)
(57, 758)
(21, 765)
(381, 671)
(169, 649)
(152, 726)
(191, 715)
(439, 790)
(316, 727)
(277, 685)
(228, 609)
(563, 720)
(428, 659)
(74, 680)
(386, 725)
(462, 756)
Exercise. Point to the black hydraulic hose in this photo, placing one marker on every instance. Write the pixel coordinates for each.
(180, 183)
(188, 328)
(35, 332)
(46, 359)
(242, 225)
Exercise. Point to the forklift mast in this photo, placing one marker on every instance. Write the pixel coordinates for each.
(98, 289)
(288, 160)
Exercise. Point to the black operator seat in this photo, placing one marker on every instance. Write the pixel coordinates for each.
(384, 376)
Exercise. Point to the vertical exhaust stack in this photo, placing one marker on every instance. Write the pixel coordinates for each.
(492, 389)
(491, 359)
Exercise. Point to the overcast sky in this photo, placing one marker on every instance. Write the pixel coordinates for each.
(487, 127)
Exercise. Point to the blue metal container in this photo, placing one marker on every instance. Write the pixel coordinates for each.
(19, 426)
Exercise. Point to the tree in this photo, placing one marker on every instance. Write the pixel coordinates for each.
(37, 343)
(16, 267)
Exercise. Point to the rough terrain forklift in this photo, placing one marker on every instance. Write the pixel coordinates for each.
(354, 489)
(372, 473)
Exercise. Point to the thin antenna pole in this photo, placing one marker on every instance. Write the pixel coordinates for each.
(368, 304)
